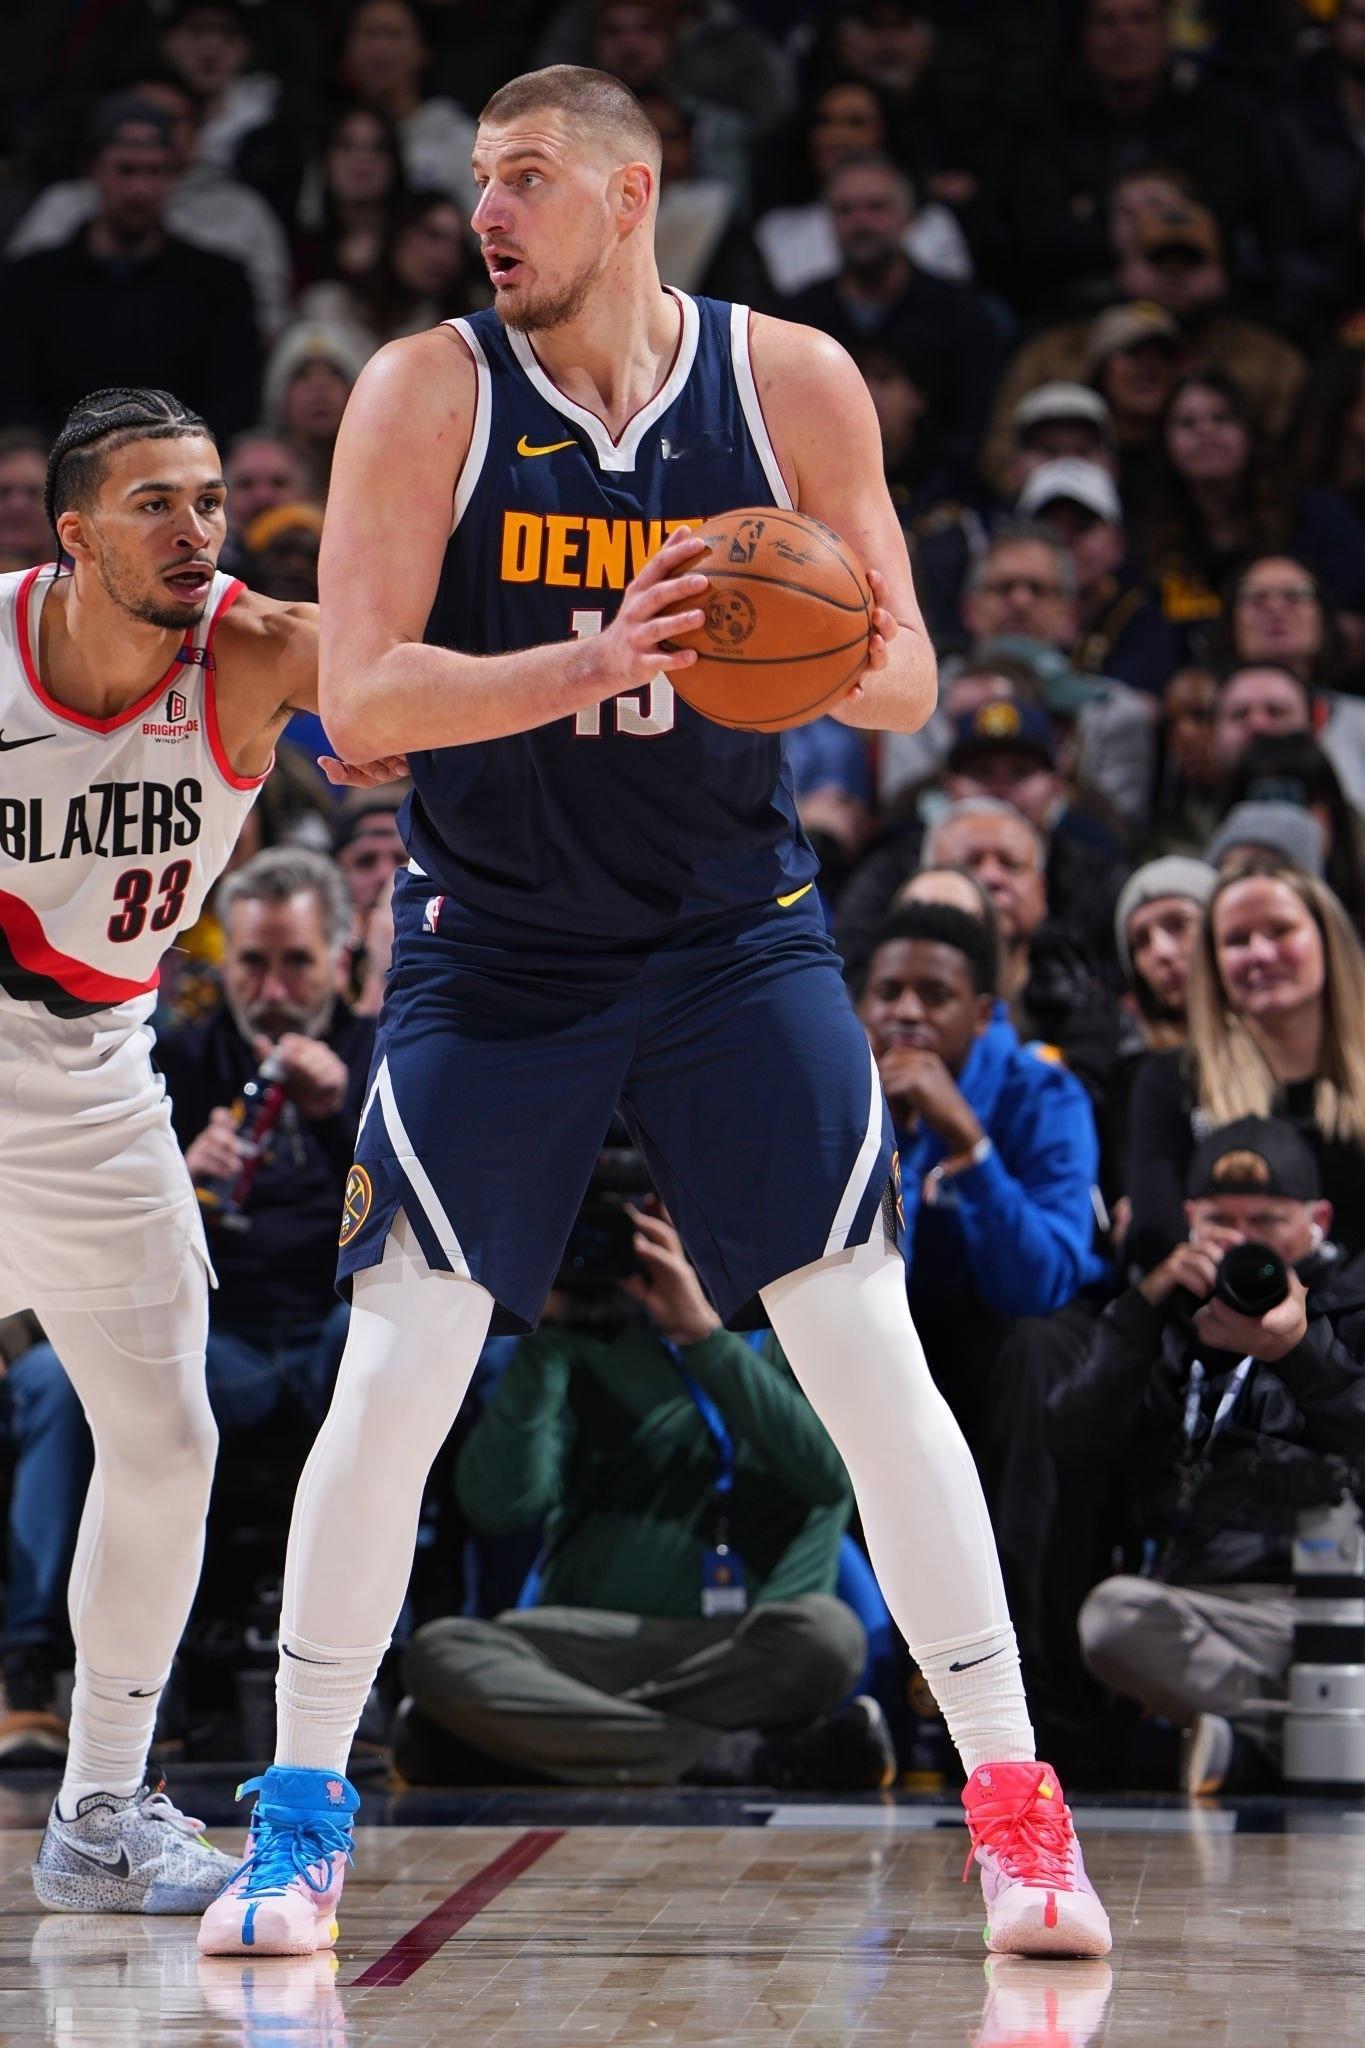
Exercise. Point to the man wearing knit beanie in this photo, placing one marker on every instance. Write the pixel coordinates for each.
(1155, 924)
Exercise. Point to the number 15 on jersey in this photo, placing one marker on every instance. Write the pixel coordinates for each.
(643, 715)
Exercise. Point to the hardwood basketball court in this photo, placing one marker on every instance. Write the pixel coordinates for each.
(510, 1920)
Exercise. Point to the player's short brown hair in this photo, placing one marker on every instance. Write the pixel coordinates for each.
(598, 104)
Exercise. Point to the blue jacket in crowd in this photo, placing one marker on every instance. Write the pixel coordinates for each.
(1018, 1230)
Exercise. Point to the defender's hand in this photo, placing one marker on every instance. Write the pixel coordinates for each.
(363, 774)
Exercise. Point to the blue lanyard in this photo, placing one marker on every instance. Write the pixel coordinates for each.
(714, 1421)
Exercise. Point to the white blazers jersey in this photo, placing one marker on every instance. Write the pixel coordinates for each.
(112, 830)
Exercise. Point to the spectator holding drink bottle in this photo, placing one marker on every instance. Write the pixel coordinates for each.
(265, 1097)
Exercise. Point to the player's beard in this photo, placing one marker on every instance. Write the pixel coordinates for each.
(142, 605)
(532, 313)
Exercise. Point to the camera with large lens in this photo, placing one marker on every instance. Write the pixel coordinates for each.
(601, 1248)
(1252, 1279)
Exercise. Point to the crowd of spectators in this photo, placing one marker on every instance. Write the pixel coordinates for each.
(1101, 264)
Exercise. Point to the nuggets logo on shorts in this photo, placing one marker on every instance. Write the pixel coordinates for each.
(355, 1206)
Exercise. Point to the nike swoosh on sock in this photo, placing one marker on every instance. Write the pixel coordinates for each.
(973, 1661)
(323, 1663)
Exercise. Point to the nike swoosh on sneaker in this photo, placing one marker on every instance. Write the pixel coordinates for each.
(973, 1661)
(114, 1866)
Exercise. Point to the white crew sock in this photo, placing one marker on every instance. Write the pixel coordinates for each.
(111, 1726)
(982, 1702)
(316, 1691)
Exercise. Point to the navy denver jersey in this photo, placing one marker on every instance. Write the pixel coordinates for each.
(638, 814)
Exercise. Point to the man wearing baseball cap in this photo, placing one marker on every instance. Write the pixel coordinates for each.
(1215, 1425)
(1007, 749)
(1122, 633)
(1058, 420)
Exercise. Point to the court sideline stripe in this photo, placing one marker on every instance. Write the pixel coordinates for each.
(421, 1942)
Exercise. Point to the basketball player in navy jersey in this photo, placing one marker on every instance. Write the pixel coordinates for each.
(609, 897)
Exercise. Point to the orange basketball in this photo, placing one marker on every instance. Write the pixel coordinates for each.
(787, 621)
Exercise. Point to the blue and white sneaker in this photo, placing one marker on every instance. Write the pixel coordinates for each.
(282, 1900)
(136, 1855)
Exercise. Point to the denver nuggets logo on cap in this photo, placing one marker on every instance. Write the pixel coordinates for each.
(356, 1202)
(998, 721)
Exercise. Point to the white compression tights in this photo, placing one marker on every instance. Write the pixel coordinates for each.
(140, 1376)
(844, 1324)
(414, 1340)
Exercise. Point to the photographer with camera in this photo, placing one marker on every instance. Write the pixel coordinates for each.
(1228, 1389)
(684, 1624)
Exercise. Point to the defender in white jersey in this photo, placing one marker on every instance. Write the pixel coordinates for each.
(112, 830)
(140, 696)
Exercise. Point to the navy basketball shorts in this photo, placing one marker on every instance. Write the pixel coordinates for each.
(733, 1055)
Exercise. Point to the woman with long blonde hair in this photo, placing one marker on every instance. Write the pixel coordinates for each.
(1276, 1006)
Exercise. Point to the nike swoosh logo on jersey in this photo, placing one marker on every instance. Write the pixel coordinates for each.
(972, 1661)
(551, 447)
(8, 746)
(113, 1866)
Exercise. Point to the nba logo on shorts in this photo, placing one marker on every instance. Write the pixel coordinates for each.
(176, 707)
(431, 916)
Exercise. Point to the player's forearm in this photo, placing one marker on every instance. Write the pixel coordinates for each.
(414, 697)
(900, 697)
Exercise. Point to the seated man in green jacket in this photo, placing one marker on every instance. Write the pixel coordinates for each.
(685, 1624)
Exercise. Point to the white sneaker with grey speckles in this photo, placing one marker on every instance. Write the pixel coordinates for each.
(136, 1855)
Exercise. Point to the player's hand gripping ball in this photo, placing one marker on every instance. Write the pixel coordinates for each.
(787, 625)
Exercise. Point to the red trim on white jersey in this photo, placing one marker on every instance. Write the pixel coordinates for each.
(64, 711)
(28, 943)
(215, 738)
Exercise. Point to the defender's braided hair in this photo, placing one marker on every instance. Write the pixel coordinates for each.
(102, 422)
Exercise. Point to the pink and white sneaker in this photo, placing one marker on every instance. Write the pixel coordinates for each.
(283, 1899)
(1039, 1901)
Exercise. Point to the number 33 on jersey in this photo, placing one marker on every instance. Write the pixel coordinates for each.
(110, 829)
